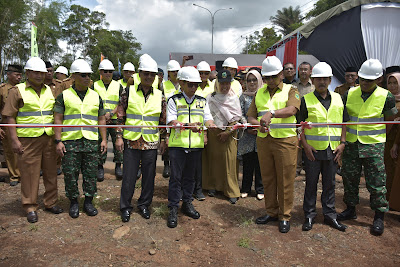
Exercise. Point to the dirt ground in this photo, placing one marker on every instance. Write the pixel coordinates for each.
(225, 235)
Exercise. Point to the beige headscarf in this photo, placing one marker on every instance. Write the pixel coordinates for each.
(396, 75)
(259, 82)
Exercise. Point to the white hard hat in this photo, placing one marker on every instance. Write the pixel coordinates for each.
(129, 67)
(179, 74)
(62, 70)
(322, 69)
(144, 57)
(36, 64)
(106, 64)
(173, 65)
(203, 66)
(148, 64)
(371, 69)
(190, 74)
(230, 62)
(271, 66)
(80, 66)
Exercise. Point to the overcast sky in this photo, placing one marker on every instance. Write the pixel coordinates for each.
(164, 26)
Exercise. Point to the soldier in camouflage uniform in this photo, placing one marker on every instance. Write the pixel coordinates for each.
(366, 103)
(80, 105)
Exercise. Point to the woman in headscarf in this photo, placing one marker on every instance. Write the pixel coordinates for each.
(247, 147)
(220, 168)
(392, 160)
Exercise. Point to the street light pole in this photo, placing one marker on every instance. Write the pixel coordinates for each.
(212, 23)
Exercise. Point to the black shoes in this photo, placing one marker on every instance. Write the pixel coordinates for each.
(100, 173)
(172, 217)
(348, 214)
(265, 219)
(88, 207)
(125, 215)
(199, 195)
(167, 170)
(32, 217)
(74, 208)
(233, 200)
(118, 171)
(284, 226)
(55, 210)
(59, 171)
(308, 224)
(378, 225)
(211, 193)
(189, 210)
(145, 212)
(14, 183)
(335, 224)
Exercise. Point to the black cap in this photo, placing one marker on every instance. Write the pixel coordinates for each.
(224, 76)
(48, 64)
(14, 68)
(351, 69)
(160, 70)
(392, 69)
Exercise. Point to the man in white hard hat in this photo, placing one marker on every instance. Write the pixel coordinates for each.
(127, 71)
(136, 78)
(14, 76)
(109, 90)
(32, 102)
(276, 103)
(187, 109)
(78, 147)
(61, 73)
(140, 104)
(172, 84)
(206, 86)
(231, 65)
(365, 143)
(322, 146)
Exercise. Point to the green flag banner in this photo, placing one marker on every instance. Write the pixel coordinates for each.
(34, 46)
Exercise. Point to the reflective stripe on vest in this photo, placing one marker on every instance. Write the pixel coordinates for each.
(36, 110)
(264, 103)
(188, 113)
(169, 88)
(140, 112)
(110, 96)
(322, 137)
(78, 112)
(368, 111)
(207, 90)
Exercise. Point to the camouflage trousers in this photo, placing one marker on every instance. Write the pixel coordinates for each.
(118, 156)
(375, 178)
(72, 164)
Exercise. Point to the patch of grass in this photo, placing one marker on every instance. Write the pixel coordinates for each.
(161, 211)
(245, 221)
(33, 228)
(138, 184)
(244, 242)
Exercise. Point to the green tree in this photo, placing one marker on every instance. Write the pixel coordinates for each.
(288, 19)
(259, 42)
(322, 6)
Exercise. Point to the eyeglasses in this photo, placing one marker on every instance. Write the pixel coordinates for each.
(190, 85)
(273, 77)
(366, 80)
(252, 80)
(84, 75)
(108, 71)
(204, 72)
(148, 73)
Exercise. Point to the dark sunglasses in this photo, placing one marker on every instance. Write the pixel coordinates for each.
(273, 77)
(251, 80)
(366, 80)
(189, 84)
(108, 71)
(84, 75)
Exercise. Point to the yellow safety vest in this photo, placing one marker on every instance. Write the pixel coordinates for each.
(169, 87)
(78, 112)
(136, 80)
(109, 96)
(36, 110)
(140, 112)
(188, 113)
(207, 90)
(121, 82)
(264, 103)
(368, 111)
(320, 137)
(236, 86)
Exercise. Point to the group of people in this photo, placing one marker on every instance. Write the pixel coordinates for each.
(205, 127)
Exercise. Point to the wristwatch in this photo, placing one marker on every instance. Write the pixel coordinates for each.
(56, 141)
(272, 113)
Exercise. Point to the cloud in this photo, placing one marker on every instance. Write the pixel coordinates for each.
(164, 26)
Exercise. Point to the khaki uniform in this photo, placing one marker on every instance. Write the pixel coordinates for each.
(39, 153)
(10, 156)
(277, 158)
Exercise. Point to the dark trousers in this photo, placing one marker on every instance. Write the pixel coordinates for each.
(251, 166)
(118, 156)
(328, 170)
(132, 159)
(183, 167)
(198, 176)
